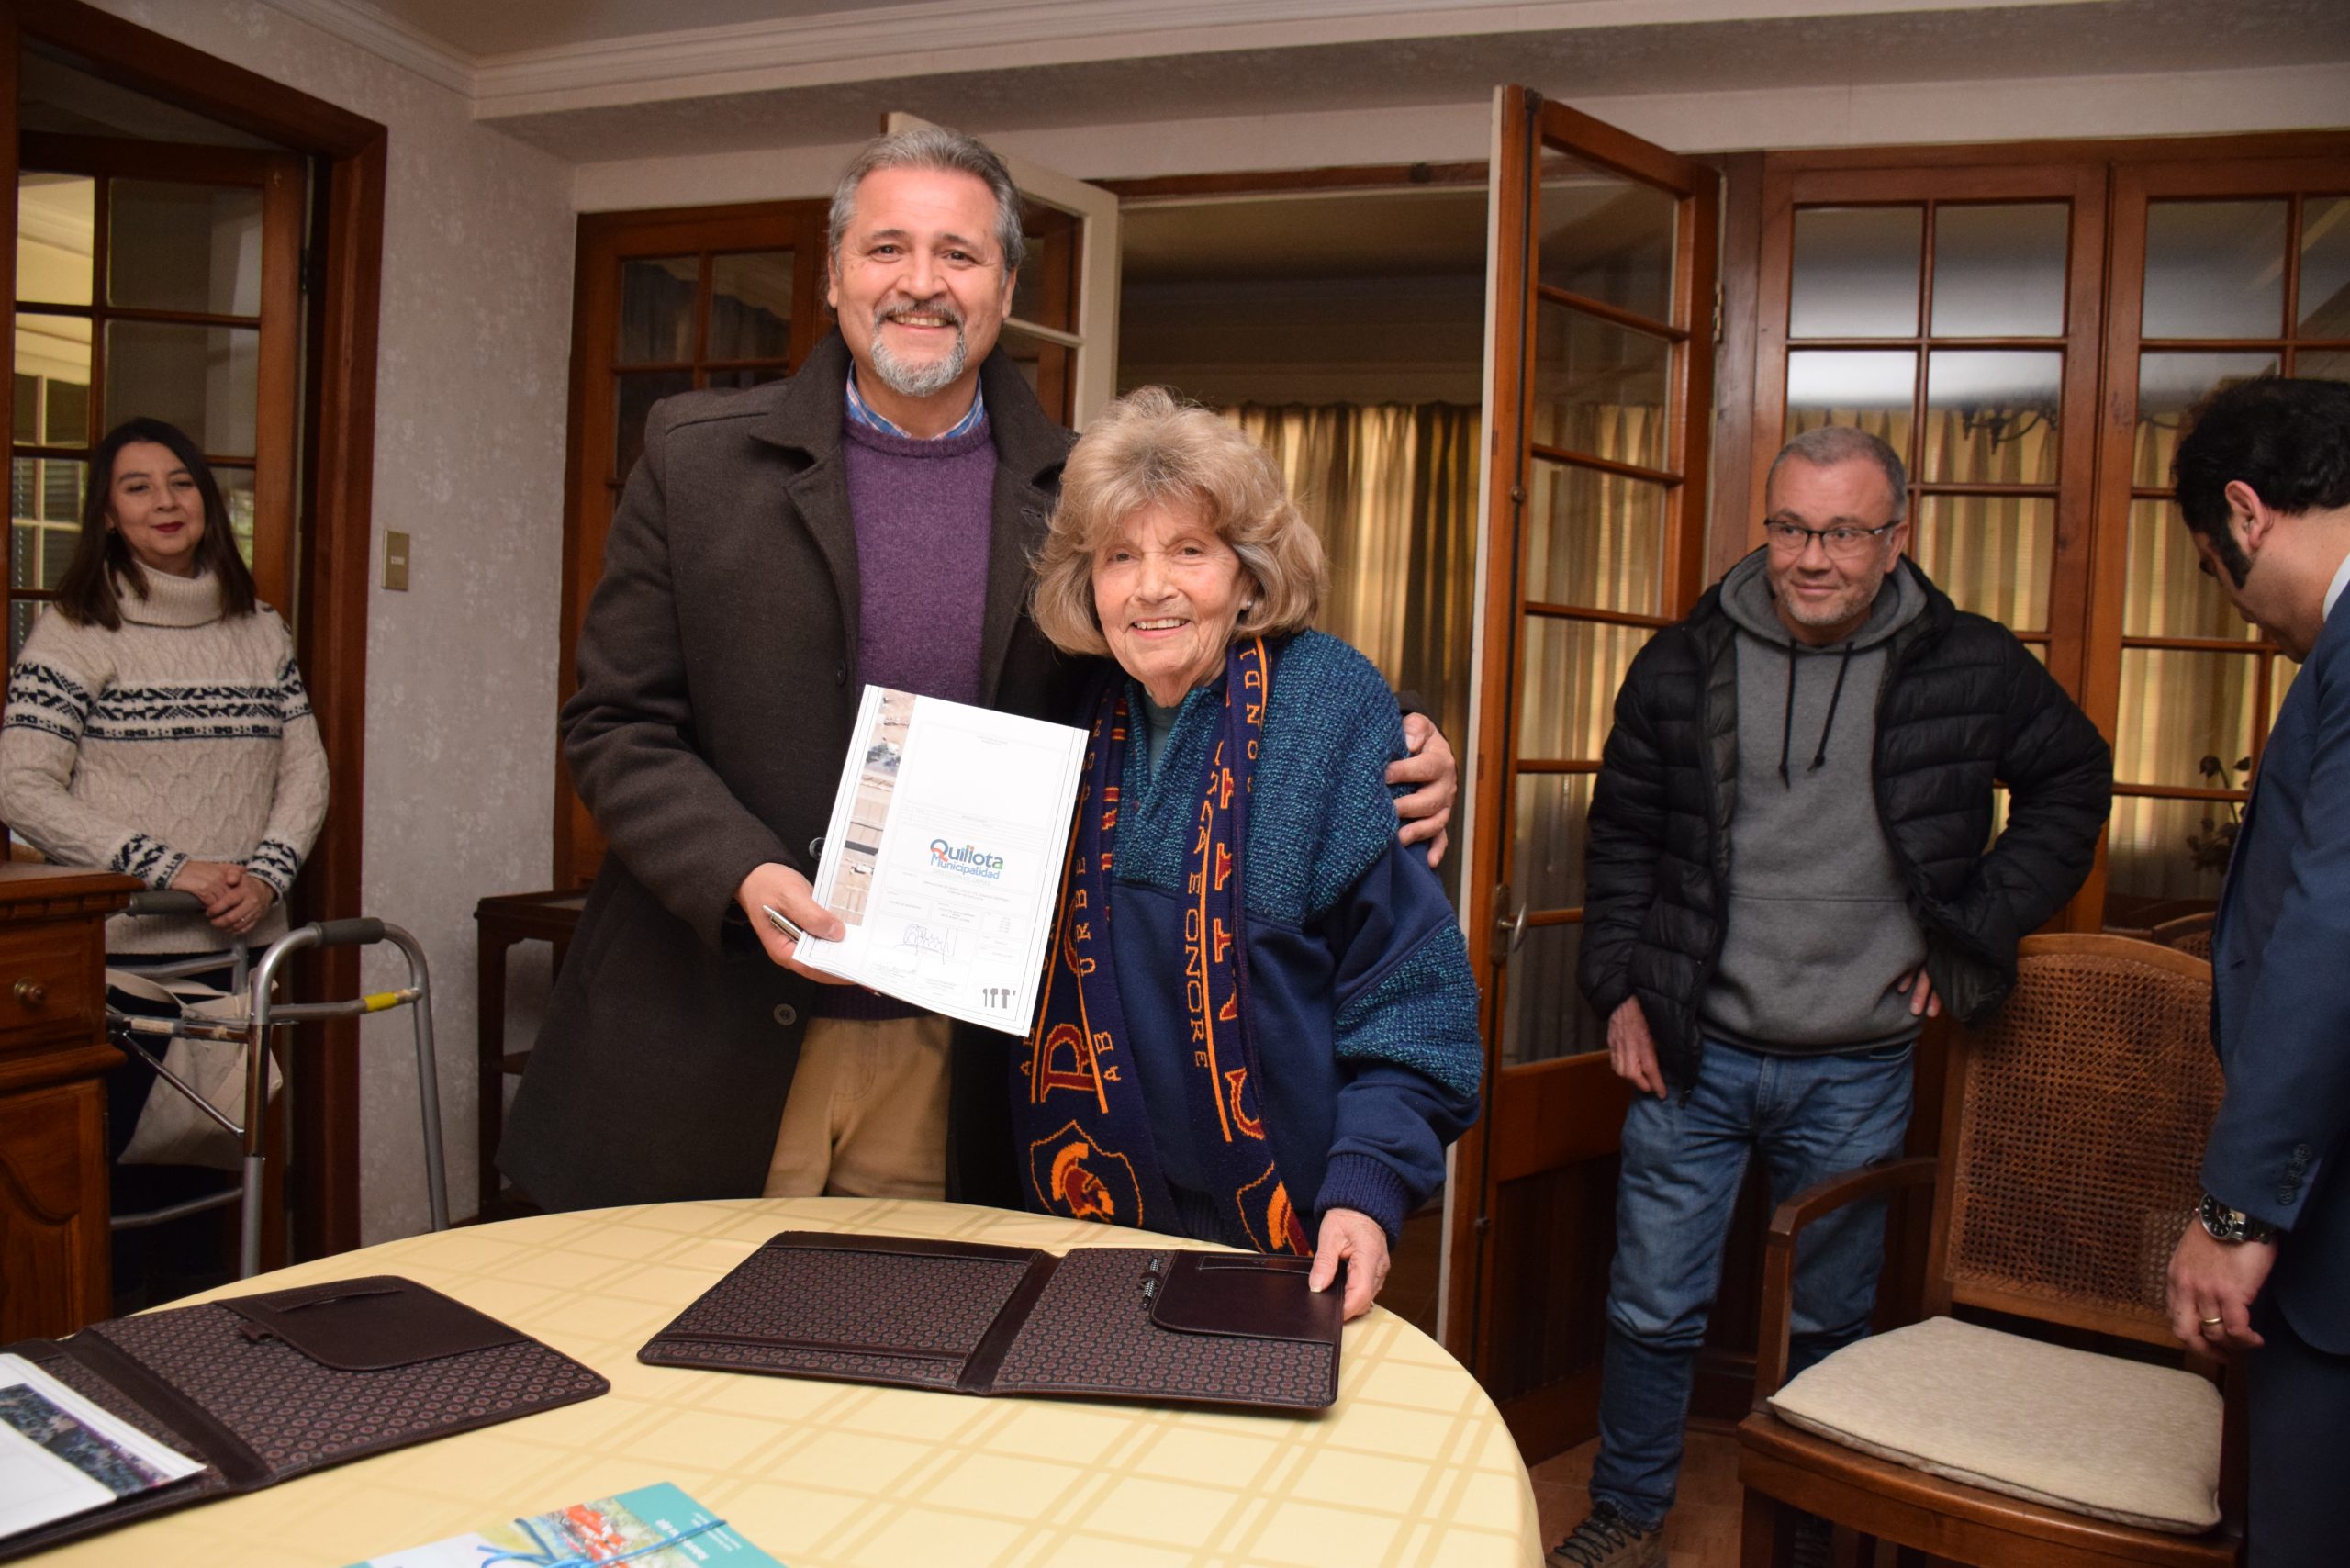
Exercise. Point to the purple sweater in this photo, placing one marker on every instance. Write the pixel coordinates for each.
(924, 511)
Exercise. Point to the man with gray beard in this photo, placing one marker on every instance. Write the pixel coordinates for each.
(868, 521)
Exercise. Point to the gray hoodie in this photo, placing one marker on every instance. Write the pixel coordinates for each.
(1817, 925)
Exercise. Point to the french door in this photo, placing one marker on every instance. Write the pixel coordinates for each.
(1598, 405)
(162, 280)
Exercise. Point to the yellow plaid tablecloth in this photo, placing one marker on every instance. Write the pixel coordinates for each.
(1412, 1466)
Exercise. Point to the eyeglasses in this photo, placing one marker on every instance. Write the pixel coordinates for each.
(1844, 543)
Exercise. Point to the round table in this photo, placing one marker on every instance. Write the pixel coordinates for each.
(1413, 1466)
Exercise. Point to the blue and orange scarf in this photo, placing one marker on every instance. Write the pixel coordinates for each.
(1078, 1111)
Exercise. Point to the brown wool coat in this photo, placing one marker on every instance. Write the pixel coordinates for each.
(718, 684)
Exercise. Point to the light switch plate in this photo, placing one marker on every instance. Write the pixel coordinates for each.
(396, 561)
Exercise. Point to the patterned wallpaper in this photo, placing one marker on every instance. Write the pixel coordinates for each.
(469, 448)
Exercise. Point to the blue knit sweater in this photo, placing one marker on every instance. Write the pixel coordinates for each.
(1366, 1009)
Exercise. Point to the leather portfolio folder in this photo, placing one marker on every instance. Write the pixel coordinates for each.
(1149, 1325)
(262, 1388)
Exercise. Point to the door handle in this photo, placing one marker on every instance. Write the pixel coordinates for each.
(1509, 931)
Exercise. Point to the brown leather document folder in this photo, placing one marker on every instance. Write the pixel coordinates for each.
(1150, 1325)
(262, 1388)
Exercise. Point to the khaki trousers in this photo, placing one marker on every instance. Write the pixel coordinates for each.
(867, 1115)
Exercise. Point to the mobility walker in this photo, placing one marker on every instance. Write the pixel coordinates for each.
(246, 1014)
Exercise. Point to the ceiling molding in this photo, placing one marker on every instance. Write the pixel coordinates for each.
(389, 38)
(934, 37)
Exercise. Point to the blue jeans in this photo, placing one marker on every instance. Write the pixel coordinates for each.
(1810, 1117)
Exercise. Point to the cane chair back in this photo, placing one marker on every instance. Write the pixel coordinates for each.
(2188, 934)
(2073, 1137)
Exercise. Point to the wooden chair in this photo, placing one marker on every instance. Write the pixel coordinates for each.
(2188, 934)
(2072, 1137)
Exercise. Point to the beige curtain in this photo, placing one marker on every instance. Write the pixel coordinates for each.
(2177, 707)
(1392, 488)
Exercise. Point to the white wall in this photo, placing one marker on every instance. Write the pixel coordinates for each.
(471, 390)
(2204, 103)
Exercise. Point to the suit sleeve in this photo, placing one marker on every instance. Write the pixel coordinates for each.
(2285, 1116)
(627, 731)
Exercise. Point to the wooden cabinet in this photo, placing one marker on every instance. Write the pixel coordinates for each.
(54, 1058)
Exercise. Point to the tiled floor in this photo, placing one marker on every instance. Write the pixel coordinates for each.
(1703, 1530)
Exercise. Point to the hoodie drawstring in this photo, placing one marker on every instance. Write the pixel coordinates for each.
(1834, 697)
(1787, 715)
(1788, 720)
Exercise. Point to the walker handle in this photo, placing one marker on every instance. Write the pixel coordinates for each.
(165, 901)
(357, 933)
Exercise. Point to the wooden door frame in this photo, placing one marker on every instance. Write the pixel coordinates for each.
(337, 495)
(1546, 1109)
(604, 240)
(2243, 173)
(1786, 186)
(278, 178)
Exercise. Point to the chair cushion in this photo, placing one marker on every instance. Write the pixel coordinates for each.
(2097, 1435)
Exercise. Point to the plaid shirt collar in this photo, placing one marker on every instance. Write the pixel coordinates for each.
(864, 414)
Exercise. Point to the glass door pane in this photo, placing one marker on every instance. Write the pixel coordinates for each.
(2000, 269)
(56, 230)
(207, 380)
(1606, 238)
(1856, 272)
(750, 307)
(182, 247)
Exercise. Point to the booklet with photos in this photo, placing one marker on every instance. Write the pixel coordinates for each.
(652, 1526)
(945, 856)
(61, 1455)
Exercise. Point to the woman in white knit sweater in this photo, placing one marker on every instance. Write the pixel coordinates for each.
(155, 722)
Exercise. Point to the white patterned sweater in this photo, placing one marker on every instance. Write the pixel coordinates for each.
(183, 735)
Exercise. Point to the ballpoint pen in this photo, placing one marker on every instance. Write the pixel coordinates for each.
(782, 922)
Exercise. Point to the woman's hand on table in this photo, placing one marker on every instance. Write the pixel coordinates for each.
(1354, 1237)
(1435, 774)
(779, 887)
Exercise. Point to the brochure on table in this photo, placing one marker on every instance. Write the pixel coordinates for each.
(653, 1526)
(944, 854)
(61, 1455)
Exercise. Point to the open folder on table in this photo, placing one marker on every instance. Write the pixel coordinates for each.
(137, 1415)
(1156, 1325)
(945, 856)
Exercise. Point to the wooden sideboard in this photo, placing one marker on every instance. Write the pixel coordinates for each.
(54, 1058)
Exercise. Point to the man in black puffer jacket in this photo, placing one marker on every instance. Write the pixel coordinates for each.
(1787, 874)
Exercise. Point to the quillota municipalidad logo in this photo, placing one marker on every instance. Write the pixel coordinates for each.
(965, 860)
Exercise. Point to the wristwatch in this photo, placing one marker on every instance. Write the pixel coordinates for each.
(2231, 1224)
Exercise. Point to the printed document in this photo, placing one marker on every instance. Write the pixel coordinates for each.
(945, 856)
(61, 1455)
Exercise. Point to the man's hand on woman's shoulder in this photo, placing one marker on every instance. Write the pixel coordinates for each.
(1436, 775)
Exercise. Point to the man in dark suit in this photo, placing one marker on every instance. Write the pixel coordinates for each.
(2263, 478)
(870, 520)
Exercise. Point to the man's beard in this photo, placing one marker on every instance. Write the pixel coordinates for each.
(920, 380)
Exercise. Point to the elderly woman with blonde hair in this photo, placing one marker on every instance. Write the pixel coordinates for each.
(1259, 1026)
